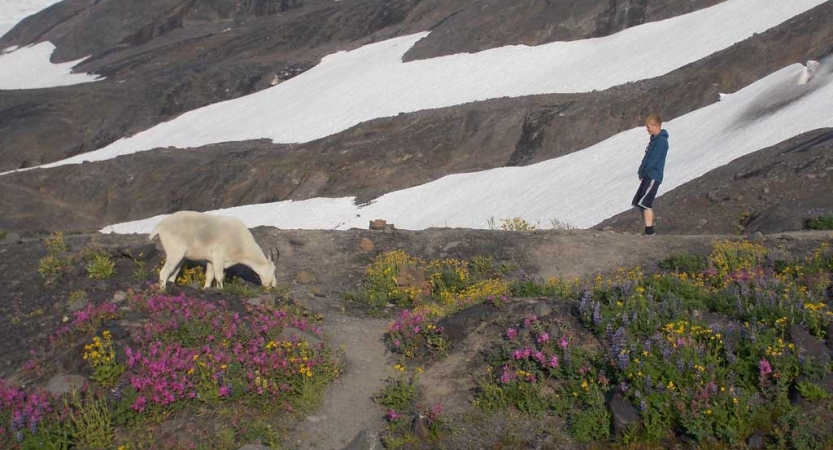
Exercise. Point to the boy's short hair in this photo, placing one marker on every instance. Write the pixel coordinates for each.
(654, 119)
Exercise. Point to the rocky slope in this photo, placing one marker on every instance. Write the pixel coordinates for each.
(178, 55)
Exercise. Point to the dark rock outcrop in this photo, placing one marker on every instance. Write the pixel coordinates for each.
(177, 55)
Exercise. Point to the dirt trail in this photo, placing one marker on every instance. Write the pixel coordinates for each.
(348, 406)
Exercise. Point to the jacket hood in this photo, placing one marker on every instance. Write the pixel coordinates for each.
(662, 133)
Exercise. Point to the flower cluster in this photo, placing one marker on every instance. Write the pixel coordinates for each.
(87, 320)
(191, 349)
(101, 356)
(435, 289)
(413, 335)
(22, 413)
(706, 352)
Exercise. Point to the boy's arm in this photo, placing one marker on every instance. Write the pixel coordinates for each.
(657, 154)
(642, 167)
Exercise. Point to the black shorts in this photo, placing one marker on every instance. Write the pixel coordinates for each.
(646, 193)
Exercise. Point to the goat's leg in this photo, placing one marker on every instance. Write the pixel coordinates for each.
(218, 273)
(175, 273)
(209, 275)
(172, 263)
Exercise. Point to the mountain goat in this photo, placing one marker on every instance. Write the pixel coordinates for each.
(220, 241)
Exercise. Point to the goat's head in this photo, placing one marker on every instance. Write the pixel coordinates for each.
(270, 277)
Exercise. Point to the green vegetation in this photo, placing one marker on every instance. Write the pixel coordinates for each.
(517, 224)
(101, 267)
(436, 288)
(821, 222)
(188, 356)
(685, 262)
(684, 375)
(408, 421)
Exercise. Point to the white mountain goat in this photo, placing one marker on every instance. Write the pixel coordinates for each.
(220, 241)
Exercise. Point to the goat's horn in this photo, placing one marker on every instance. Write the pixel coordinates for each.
(275, 254)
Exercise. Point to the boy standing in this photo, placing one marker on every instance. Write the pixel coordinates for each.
(651, 170)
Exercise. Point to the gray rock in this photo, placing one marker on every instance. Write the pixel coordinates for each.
(624, 414)
(263, 300)
(61, 384)
(79, 304)
(365, 440)
(755, 441)
(457, 326)
(119, 297)
(542, 309)
(12, 237)
(812, 347)
(451, 245)
(830, 336)
(419, 426)
(756, 237)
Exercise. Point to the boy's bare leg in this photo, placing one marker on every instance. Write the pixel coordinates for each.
(648, 215)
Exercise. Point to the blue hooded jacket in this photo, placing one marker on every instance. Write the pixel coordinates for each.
(653, 163)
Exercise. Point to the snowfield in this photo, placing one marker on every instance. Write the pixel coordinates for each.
(581, 189)
(348, 88)
(29, 67)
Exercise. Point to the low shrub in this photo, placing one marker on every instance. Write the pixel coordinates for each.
(821, 222)
(101, 356)
(701, 353)
(101, 267)
(517, 224)
(56, 244)
(433, 290)
(404, 415)
(52, 267)
(684, 262)
(412, 335)
(187, 353)
(191, 275)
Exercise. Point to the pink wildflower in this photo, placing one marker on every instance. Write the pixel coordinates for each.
(765, 367)
(543, 338)
(563, 342)
(508, 375)
(511, 333)
(392, 415)
(554, 361)
(435, 413)
(139, 404)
